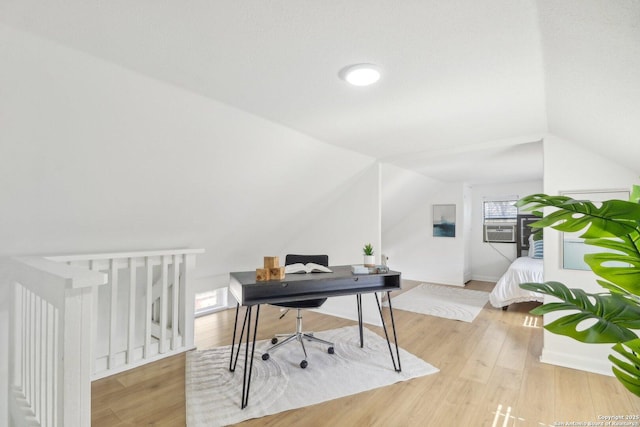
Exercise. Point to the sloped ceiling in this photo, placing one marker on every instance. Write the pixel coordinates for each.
(592, 74)
(469, 87)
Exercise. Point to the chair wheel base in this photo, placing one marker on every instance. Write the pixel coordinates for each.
(330, 350)
(303, 364)
(274, 340)
(265, 356)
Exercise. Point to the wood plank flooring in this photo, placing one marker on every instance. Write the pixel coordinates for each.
(489, 375)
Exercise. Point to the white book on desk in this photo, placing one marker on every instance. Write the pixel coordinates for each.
(306, 268)
(363, 269)
(359, 269)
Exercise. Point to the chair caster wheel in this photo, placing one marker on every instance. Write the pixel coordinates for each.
(303, 364)
(265, 356)
(330, 350)
(274, 340)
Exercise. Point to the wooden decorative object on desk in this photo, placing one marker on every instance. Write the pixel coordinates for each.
(276, 273)
(271, 262)
(262, 274)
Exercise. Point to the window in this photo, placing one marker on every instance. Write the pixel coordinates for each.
(210, 302)
(500, 211)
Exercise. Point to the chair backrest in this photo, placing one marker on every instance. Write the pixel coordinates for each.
(304, 259)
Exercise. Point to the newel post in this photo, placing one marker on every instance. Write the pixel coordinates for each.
(187, 309)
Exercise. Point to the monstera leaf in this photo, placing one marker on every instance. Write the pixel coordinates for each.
(615, 315)
(635, 194)
(612, 317)
(613, 218)
(620, 265)
(628, 373)
(612, 226)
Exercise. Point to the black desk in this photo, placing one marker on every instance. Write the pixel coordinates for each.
(297, 287)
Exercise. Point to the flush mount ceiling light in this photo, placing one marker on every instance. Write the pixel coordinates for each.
(360, 74)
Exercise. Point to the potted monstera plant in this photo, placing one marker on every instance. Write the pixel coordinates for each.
(614, 313)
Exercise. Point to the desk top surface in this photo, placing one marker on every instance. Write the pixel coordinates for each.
(338, 272)
(296, 287)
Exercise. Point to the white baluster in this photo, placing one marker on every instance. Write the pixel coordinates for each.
(21, 323)
(132, 310)
(148, 304)
(47, 387)
(56, 350)
(113, 313)
(163, 305)
(175, 303)
(37, 359)
(29, 382)
(93, 266)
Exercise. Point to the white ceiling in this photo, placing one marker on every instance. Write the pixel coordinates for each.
(470, 87)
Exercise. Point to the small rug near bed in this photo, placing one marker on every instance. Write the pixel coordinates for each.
(443, 301)
(213, 393)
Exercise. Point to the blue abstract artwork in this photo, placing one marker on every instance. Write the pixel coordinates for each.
(444, 220)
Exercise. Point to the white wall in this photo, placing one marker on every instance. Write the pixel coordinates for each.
(407, 231)
(407, 237)
(94, 157)
(570, 168)
(97, 158)
(489, 261)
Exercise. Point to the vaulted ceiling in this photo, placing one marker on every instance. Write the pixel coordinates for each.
(469, 87)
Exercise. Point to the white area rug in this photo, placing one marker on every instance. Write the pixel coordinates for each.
(442, 301)
(213, 393)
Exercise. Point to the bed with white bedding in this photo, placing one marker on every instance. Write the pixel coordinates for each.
(508, 291)
(526, 268)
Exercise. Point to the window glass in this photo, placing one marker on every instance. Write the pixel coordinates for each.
(210, 302)
(500, 211)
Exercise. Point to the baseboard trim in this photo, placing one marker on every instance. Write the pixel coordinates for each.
(435, 281)
(596, 366)
(485, 278)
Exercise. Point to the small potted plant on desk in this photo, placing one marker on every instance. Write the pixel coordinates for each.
(369, 259)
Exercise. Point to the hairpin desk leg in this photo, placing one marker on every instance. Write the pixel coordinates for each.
(359, 302)
(234, 360)
(248, 358)
(397, 367)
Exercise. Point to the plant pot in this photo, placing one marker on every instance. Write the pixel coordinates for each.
(369, 261)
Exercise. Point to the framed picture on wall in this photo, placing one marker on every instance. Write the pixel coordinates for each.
(444, 220)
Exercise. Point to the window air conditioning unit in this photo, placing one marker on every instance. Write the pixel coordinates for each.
(500, 233)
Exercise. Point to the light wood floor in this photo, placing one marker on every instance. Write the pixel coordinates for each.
(489, 371)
